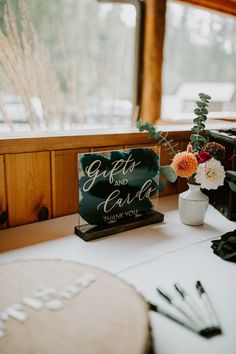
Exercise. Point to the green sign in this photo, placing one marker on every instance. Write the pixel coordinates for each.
(117, 187)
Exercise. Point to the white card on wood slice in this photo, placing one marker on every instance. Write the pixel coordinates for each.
(17, 315)
(45, 293)
(54, 305)
(70, 292)
(32, 302)
(17, 307)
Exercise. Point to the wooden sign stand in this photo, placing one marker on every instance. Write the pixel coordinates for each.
(89, 232)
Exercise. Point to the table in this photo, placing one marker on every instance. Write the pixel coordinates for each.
(155, 255)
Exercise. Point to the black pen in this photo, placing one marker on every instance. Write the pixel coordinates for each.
(175, 304)
(205, 332)
(191, 304)
(157, 309)
(208, 304)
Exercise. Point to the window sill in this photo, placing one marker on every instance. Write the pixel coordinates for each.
(59, 140)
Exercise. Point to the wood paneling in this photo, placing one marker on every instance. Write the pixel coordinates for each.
(49, 180)
(65, 181)
(154, 29)
(28, 187)
(106, 148)
(3, 206)
(225, 6)
(133, 146)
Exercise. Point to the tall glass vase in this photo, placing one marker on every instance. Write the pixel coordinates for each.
(193, 206)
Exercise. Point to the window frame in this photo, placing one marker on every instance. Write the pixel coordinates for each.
(226, 7)
(139, 36)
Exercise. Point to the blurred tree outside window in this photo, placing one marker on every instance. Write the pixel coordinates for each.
(66, 64)
(199, 56)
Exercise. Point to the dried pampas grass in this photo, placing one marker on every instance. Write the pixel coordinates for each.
(26, 70)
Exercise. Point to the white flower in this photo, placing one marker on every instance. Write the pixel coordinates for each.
(210, 174)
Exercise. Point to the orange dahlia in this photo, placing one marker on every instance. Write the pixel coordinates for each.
(184, 164)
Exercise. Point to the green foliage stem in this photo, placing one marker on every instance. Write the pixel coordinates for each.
(197, 139)
(161, 137)
(153, 134)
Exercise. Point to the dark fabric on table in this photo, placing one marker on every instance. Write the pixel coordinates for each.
(226, 246)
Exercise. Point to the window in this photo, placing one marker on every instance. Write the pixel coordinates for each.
(66, 64)
(199, 56)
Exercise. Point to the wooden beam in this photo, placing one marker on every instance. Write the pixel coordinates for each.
(225, 6)
(154, 29)
(82, 141)
(3, 202)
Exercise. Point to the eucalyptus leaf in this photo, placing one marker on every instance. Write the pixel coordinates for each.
(168, 172)
(149, 126)
(231, 174)
(194, 136)
(194, 129)
(152, 134)
(142, 128)
(200, 104)
(204, 96)
(139, 123)
(158, 134)
(197, 111)
(232, 186)
(202, 138)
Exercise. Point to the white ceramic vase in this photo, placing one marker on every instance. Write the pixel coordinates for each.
(193, 206)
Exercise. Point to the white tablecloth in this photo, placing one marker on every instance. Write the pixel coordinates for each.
(157, 255)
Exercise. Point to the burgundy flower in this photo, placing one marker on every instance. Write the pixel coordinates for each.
(216, 150)
(203, 156)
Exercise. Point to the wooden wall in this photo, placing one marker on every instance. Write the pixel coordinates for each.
(152, 60)
(39, 178)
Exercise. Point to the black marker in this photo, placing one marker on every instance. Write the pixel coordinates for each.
(191, 304)
(157, 309)
(175, 304)
(208, 305)
(206, 332)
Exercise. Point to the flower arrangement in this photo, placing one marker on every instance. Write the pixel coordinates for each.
(202, 162)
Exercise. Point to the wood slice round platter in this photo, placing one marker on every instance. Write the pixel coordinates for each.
(107, 316)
